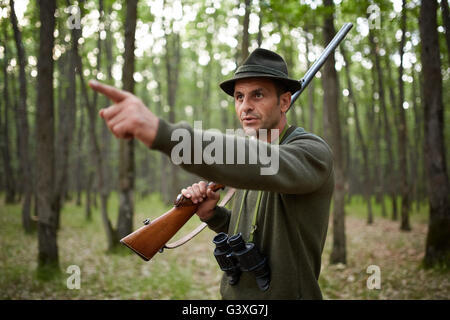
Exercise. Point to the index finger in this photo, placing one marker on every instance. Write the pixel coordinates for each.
(111, 92)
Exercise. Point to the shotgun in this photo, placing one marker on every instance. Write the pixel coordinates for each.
(309, 75)
(154, 235)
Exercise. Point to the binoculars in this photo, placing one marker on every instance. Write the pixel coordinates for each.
(234, 256)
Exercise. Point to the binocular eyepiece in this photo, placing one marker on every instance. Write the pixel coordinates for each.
(234, 256)
(227, 262)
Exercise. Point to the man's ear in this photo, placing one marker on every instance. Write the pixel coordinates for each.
(285, 101)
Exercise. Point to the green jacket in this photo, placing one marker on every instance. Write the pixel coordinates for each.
(292, 219)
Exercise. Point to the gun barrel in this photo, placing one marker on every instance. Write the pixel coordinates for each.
(321, 60)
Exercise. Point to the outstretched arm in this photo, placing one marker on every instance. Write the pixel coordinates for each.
(298, 168)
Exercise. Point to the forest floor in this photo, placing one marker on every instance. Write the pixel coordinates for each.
(191, 272)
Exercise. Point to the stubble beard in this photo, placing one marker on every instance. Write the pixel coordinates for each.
(271, 123)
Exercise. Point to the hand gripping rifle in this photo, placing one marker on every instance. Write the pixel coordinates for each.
(154, 235)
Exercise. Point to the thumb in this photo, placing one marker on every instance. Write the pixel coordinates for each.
(212, 195)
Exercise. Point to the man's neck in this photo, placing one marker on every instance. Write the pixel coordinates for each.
(276, 133)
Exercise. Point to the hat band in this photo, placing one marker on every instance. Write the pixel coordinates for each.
(260, 69)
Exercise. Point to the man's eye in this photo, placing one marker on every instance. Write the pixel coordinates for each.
(239, 97)
(258, 95)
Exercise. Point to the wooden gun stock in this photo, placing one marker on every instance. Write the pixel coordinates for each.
(152, 237)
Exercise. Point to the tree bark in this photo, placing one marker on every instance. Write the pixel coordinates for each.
(105, 133)
(164, 188)
(89, 185)
(386, 128)
(403, 134)
(207, 75)
(172, 63)
(245, 35)
(111, 234)
(416, 155)
(23, 132)
(79, 159)
(392, 166)
(67, 113)
(379, 164)
(334, 136)
(126, 149)
(260, 24)
(361, 140)
(310, 88)
(10, 195)
(437, 250)
(45, 157)
(446, 22)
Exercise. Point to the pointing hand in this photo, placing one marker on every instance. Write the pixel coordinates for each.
(127, 117)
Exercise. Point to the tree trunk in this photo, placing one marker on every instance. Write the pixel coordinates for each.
(392, 167)
(23, 132)
(89, 185)
(375, 125)
(172, 61)
(260, 24)
(4, 143)
(386, 128)
(416, 155)
(403, 134)
(437, 250)
(60, 130)
(378, 163)
(446, 22)
(164, 188)
(97, 155)
(310, 88)
(67, 113)
(126, 149)
(245, 35)
(207, 75)
(79, 159)
(333, 135)
(105, 133)
(45, 156)
(362, 143)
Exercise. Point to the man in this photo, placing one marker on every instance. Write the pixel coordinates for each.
(284, 214)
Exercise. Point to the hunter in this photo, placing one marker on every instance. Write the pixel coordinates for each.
(285, 214)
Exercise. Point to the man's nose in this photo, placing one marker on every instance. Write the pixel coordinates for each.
(246, 105)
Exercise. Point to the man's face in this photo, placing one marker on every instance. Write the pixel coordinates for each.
(257, 104)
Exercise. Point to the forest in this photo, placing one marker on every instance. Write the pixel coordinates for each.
(69, 190)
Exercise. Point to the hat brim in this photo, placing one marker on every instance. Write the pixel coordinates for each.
(228, 85)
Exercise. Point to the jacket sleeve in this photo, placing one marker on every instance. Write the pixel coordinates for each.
(300, 166)
(220, 220)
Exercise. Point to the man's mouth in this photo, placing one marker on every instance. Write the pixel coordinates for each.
(248, 119)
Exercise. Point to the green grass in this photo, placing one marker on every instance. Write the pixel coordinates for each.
(104, 275)
(191, 272)
(357, 207)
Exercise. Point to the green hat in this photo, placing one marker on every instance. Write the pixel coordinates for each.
(262, 63)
